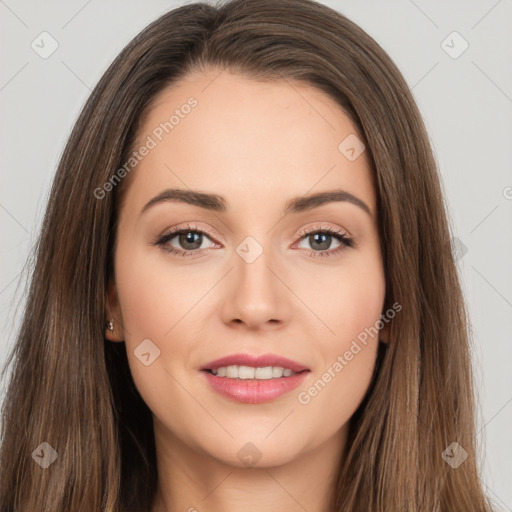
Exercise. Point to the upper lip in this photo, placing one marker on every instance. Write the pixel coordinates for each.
(255, 361)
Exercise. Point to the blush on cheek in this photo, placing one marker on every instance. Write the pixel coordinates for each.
(357, 319)
(145, 299)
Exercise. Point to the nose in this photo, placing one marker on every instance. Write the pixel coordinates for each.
(256, 296)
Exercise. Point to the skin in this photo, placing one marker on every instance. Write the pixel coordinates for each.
(257, 144)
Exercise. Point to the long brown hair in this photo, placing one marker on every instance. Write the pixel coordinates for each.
(72, 389)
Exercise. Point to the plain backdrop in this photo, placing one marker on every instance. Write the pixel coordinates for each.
(462, 83)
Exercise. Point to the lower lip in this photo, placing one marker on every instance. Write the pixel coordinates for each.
(253, 391)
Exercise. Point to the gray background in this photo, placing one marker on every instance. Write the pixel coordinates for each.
(466, 103)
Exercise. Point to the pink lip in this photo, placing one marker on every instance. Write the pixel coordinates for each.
(252, 391)
(256, 361)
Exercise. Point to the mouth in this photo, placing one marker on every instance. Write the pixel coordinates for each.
(255, 379)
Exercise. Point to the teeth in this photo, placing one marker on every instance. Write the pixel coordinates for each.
(245, 372)
(266, 372)
(249, 372)
(232, 372)
(277, 371)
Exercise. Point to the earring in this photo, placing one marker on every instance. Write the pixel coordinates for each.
(110, 326)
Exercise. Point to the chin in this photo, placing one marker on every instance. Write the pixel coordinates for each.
(256, 452)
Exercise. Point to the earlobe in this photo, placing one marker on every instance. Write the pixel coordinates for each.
(384, 333)
(114, 325)
(112, 333)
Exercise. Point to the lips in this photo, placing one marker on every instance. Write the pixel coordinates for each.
(254, 391)
(255, 361)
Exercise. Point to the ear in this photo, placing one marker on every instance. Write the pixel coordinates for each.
(113, 312)
(384, 333)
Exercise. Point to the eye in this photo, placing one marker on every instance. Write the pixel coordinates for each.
(190, 238)
(320, 239)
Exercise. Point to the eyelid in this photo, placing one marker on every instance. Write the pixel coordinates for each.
(175, 230)
(330, 229)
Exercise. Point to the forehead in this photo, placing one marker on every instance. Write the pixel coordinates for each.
(224, 133)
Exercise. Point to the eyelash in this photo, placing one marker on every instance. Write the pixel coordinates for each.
(345, 240)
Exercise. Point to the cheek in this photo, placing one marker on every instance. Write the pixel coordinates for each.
(347, 300)
(154, 294)
(353, 308)
(154, 304)
(347, 349)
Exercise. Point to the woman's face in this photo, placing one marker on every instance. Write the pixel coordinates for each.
(258, 272)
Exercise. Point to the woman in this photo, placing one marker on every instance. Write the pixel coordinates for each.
(247, 370)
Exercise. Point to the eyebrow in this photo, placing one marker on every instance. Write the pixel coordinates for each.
(217, 203)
